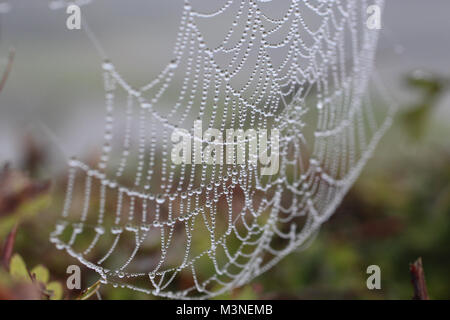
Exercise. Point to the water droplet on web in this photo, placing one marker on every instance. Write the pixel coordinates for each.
(146, 105)
(78, 227)
(130, 227)
(116, 229)
(99, 229)
(107, 66)
(160, 199)
(173, 64)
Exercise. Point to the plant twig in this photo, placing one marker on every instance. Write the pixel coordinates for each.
(418, 280)
(12, 53)
(89, 292)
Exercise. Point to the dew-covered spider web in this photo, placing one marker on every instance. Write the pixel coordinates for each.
(199, 230)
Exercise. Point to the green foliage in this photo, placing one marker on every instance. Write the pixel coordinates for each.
(21, 198)
(40, 273)
(416, 117)
(55, 289)
(18, 269)
(39, 276)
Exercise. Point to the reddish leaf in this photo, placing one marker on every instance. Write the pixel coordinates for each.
(16, 188)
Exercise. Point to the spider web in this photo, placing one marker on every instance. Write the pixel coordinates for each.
(196, 231)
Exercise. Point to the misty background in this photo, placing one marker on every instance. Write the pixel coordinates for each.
(55, 88)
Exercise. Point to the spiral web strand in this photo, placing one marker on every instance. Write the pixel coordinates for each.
(196, 231)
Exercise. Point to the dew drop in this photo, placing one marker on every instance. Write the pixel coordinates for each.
(160, 199)
(107, 66)
(116, 229)
(130, 227)
(173, 64)
(99, 229)
(146, 105)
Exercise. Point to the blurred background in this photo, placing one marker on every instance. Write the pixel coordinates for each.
(398, 210)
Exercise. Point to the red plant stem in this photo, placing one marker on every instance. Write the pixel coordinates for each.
(8, 248)
(8, 69)
(418, 280)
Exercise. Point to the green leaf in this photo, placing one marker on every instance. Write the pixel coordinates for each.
(24, 212)
(18, 269)
(56, 290)
(41, 273)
